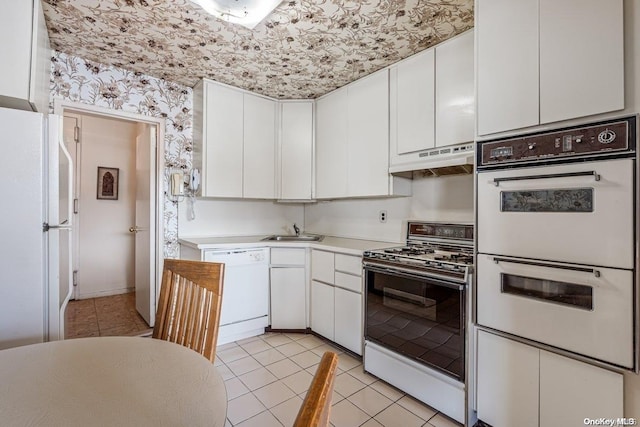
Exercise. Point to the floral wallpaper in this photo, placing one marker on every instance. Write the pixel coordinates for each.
(78, 80)
(304, 49)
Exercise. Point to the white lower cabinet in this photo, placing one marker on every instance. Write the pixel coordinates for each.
(288, 298)
(322, 309)
(348, 319)
(522, 385)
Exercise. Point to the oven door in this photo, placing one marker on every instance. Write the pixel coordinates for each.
(581, 309)
(417, 316)
(577, 213)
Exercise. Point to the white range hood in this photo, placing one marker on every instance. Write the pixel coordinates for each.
(452, 160)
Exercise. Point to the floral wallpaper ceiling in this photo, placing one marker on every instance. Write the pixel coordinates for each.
(304, 49)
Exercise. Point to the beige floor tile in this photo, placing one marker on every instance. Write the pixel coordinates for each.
(243, 408)
(441, 420)
(306, 359)
(335, 397)
(325, 347)
(277, 340)
(244, 365)
(396, 415)
(310, 342)
(370, 401)
(283, 368)
(387, 390)
(291, 349)
(273, 394)
(346, 385)
(372, 423)
(228, 355)
(227, 423)
(268, 357)
(118, 331)
(256, 346)
(298, 382)
(360, 374)
(248, 340)
(235, 388)
(257, 379)
(346, 362)
(227, 346)
(217, 361)
(286, 412)
(225, 372)
(295, 336)
(263, 419)
(425, 412)
(346, 414)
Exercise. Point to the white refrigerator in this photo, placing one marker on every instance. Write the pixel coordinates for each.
(35, 228)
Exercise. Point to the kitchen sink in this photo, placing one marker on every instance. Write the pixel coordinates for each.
(293, 238)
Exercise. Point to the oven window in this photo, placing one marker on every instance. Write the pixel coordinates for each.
(578, 296)
(574, 200)
(417, 318)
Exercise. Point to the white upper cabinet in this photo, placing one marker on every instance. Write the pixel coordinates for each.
(259, 157)
(368, 136)
(26, 56)
(455, 106)
(331, 145)
(542, 61)
(296, 150)
(412, 94)
(234, 142)
(581, 58)
(507, 64)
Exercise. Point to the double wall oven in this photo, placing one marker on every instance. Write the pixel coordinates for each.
(557, 231)
(416, 313)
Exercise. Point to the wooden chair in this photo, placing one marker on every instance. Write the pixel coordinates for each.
(316, 407)
(189, 305)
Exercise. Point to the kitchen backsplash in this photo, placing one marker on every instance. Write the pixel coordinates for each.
(75, 79)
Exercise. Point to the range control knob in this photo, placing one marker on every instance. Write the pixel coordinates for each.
(607, 136)
(532, 146)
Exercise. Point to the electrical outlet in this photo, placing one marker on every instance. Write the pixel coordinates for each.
(382, 215)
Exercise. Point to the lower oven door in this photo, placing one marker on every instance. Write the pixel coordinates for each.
(419, 317)
(576, 213)
(584, 310)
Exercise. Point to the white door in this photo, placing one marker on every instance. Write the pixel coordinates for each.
(288, 297)
(59, 219)
(144, 228)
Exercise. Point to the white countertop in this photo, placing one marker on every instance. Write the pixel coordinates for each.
(335, 244)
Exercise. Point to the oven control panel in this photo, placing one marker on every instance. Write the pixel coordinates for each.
(580, 141)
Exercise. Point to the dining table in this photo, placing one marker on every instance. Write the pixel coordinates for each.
(109, 381)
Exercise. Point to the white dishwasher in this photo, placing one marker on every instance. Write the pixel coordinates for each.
(245, 293)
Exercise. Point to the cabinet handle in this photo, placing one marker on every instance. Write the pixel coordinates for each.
(595, 272)
(596, 176)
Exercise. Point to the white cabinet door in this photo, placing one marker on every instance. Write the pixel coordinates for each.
(331, 145)
(507, 64)
(296, 150)
(223, 139)
(322, 309)
(571, 391)
(581, 70)
(508, 382)
(455, 106)
(412, 102)
(348, 320)
(259, 147)
(368, 136)
(288, 298)
(322, 266)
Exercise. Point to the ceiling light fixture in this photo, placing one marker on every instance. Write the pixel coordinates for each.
(247, 13)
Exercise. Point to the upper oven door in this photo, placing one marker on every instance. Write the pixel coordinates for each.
(578, 212)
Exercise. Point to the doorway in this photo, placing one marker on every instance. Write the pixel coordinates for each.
(117, 250)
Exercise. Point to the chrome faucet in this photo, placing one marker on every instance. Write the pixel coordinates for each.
(296, 229)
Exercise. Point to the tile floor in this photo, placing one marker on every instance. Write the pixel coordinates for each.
(104, 316)
(267, 377)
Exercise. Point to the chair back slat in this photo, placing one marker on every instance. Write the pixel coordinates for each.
(316, 407)
(189, 305)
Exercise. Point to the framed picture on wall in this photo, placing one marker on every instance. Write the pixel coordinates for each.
(108, 179)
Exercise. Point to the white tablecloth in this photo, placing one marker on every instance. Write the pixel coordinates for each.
(109, 381)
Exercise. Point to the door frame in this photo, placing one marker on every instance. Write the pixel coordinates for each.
(59, 108)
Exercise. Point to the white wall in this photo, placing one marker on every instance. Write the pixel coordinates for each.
(106, 247)
(239, 218)
(448, 198)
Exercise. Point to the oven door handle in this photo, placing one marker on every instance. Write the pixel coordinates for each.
(594, 174)
(411, 275)
(593, 271)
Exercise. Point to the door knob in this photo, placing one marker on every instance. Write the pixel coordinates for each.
(133, 229)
